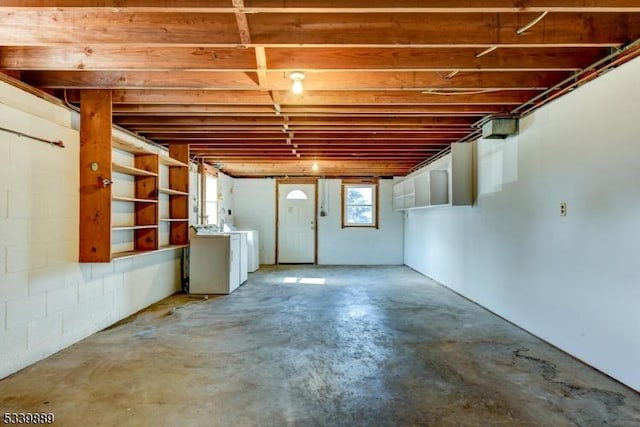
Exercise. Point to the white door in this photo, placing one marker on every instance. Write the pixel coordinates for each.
(296, 223)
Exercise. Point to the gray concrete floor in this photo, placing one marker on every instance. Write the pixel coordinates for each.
(373, 346)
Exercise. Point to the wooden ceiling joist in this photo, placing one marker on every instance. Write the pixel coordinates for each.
(193, 110)
(325, 81)
(301, 121)
(338, 137)
(329, 6)
(240, 97)
(47, 27)
(171, 58)
(388, 84)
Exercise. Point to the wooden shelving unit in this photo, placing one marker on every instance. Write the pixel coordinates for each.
(178, 192)
(451, 185)
(136, 169)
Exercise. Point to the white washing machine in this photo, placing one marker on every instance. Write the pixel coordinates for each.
(253, 249)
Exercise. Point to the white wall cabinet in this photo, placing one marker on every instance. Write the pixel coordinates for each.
(446, 182)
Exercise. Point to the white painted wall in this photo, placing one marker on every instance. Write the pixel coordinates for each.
(359, 246)
(48, 300)
(226, 202)
(572, 280)
(255, 207)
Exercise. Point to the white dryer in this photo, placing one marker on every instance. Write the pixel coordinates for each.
(214, 263)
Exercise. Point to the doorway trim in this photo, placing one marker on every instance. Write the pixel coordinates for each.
(313, 181)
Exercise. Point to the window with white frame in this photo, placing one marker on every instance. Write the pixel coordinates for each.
(360, 203)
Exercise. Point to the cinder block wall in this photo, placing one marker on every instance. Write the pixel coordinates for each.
(48, 300)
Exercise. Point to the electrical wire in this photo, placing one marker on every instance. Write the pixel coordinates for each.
(459, 92)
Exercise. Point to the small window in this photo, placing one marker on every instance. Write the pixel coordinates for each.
(296, 195)
(359, 204)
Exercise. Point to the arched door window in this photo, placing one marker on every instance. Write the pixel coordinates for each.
(296, 195)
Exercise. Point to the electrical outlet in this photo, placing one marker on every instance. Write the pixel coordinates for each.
(563, 208)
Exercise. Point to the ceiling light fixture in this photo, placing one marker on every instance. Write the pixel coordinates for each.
(314, 166)
(297, 77)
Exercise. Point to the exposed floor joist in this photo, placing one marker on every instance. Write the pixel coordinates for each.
(387, 84)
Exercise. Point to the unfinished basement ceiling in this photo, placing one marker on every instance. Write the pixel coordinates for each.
(388, 84)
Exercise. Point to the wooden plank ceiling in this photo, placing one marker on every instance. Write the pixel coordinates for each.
(388, 84)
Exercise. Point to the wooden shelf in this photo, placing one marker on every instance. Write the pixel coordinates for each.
(116, 167)
(171, 192)
(172, 247)
(129, 147)
(131, 254)
(168, 161)
(133, 227)
(132, 199)
(138, 188)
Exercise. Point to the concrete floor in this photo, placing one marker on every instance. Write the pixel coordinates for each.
(373, 346)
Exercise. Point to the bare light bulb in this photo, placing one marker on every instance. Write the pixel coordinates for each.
(314, 166)
(296, 87)
(297, 77)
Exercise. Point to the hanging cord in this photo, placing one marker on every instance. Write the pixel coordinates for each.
(53, 143)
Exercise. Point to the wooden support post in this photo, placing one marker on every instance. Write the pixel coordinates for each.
(95, 176)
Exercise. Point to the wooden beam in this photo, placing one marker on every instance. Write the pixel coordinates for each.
(343, 156)
(177, 58)
(264, 149)
(108, 26)
(299, 121)
(259, 111)
(145, 129)
(95, 167)
(350, 6)
(325, 150)
(261, 65)
(471, 30)
(241, 20)
(433, 59)
(325, 81)
(190, 109)
(298, 167)
(298, 136)
(141, 79)
(119, 57)
(307, 131)
(223, 97)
